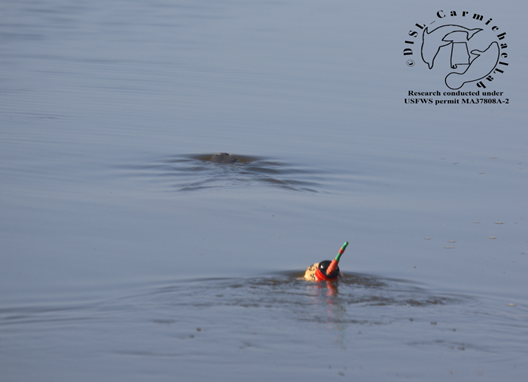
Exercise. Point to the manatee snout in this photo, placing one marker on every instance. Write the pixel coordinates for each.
(223, 158)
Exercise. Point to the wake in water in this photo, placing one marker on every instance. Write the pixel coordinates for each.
(199, 172)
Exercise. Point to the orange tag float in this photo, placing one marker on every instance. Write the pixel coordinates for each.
(325, 270)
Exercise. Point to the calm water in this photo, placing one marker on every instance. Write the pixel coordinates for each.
(125, 254)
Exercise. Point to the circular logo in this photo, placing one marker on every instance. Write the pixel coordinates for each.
(460, 47)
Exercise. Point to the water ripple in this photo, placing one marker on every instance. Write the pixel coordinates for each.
(284, 292)
(184, 173)
(305, 301)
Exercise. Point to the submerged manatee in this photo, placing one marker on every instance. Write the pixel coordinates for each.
(223, 158)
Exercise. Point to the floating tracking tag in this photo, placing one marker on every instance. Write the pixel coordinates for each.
(333, 265)
(329, 270)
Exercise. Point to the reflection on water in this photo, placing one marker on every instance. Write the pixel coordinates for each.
(199, 172)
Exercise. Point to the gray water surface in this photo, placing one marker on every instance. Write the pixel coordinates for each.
(126, 254)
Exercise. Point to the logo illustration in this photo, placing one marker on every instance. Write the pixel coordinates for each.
(460, 47)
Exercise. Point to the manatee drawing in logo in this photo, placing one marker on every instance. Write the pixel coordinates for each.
(442, 36)
(480, 67)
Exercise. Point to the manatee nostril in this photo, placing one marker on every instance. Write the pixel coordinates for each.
(223, 158)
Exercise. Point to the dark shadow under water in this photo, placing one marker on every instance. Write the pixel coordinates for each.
(197, 172)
